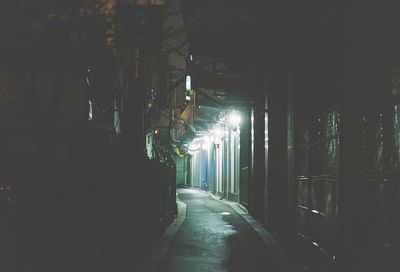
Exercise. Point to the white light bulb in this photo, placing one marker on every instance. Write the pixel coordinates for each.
(188, 84)
(234, 119)
(218, 132)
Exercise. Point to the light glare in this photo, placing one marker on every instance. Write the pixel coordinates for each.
(188, 83)
(234, 119)
(90, 113)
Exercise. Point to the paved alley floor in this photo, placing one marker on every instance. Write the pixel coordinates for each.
(214, 237)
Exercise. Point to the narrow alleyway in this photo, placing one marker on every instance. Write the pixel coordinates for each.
(214, 237)
(288, 108)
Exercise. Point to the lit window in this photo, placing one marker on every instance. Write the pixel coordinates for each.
(188, 83)
(90, 113)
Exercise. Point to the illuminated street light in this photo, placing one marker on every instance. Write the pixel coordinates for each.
(90, 113)
(188, 82)
(234, 119)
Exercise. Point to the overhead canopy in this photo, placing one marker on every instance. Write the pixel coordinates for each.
(241, 33)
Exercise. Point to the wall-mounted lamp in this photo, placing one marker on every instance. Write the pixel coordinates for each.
(234, 119)
(188, 83)
(90, 112)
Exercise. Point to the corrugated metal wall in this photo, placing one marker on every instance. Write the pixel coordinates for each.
(317, 172)
(379, 187)
(346, 137)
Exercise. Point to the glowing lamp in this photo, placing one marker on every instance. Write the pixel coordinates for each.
(188, 83)
(234, 119)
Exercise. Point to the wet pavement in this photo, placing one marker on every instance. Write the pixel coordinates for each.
(214, 237)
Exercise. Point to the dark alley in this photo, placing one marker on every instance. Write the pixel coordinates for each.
(199, 135)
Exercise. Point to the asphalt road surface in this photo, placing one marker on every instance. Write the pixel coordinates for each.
(213, 238)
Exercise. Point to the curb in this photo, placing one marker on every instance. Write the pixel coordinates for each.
(160, 248)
